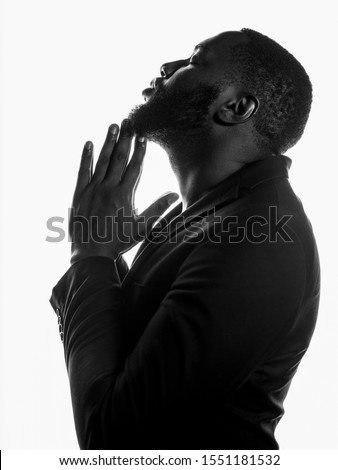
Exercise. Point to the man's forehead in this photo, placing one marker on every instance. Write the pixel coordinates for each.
(224, 40)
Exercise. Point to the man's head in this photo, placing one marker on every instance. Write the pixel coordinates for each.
(237, 85)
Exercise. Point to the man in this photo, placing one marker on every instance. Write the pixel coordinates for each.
(195, 346)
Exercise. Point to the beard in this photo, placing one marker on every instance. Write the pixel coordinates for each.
(175, 118)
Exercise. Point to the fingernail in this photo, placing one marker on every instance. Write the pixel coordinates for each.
(88, 145)
(113, 129)
(126, 127)
(140, 138)
(172, 198)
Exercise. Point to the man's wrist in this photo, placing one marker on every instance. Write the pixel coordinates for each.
(80, 253)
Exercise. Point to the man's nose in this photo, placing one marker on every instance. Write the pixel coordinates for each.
(169, 68)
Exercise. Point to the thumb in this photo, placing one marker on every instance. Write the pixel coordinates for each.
(157, 208)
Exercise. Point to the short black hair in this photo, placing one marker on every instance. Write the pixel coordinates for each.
(280, 83)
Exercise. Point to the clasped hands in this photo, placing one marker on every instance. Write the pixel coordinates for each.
(103, 220)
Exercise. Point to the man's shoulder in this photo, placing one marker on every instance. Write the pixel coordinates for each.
(269, 213)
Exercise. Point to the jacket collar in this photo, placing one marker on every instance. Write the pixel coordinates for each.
(223, 193)
(247, 177)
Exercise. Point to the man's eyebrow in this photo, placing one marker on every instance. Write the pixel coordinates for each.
(201, 46)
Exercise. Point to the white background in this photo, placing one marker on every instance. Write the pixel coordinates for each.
(68, 70)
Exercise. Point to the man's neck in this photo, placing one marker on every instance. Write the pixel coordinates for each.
(198, 181)
(197, 174)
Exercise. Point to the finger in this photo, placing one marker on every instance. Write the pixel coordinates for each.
(137, 160)
(156, 209)
(86, 168)
(119, 158)
(133, 171)
(105, 154)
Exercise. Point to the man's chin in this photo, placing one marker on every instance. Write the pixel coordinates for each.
(168, 117)
(146, 119)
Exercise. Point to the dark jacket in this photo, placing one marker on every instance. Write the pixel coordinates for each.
(195, 346)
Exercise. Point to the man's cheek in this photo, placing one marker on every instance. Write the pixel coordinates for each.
(181, 80)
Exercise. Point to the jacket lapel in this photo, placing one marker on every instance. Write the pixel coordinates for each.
(222, 194)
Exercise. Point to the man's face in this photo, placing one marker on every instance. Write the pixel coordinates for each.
(178, 103)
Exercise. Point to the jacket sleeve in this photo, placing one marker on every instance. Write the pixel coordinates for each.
(122, 267)
(228, 308)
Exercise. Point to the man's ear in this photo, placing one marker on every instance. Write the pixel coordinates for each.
(237, 111)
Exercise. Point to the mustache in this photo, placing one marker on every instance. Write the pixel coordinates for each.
(188, 101)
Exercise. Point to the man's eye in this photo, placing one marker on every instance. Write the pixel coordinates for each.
(193, 61)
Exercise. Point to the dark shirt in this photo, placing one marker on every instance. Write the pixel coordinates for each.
(196, 345)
